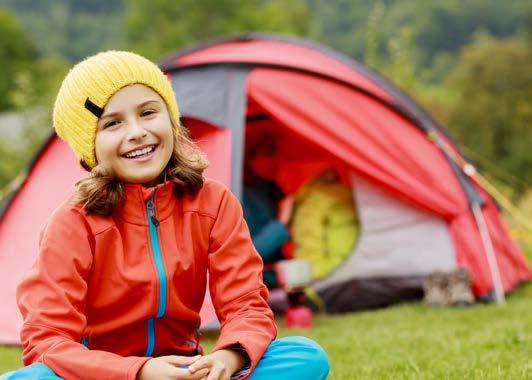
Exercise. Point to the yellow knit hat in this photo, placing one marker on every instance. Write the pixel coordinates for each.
(88, 87)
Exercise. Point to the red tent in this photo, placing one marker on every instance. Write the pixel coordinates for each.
(419, 211)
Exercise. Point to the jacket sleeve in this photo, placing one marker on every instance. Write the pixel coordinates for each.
(235, 282)
(52, 299)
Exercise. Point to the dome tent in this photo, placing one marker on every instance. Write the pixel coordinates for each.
(418, 210)
(415, 203)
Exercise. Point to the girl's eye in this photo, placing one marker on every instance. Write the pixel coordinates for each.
(110, 123)
(147, 112)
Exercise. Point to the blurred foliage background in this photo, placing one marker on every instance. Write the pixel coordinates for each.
(469, 62)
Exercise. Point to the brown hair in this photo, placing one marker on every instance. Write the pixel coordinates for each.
(100, 192)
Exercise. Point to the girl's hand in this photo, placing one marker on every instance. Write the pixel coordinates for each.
(167, 367)
(220, 364)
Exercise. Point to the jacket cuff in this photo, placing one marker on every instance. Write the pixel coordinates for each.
(241, 373)
(135, 367)
(247, 367)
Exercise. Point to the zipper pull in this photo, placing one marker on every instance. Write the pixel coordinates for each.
(151, 210)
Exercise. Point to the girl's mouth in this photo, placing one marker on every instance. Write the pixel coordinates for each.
(140, 154)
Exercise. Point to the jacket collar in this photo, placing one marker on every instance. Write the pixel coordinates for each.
(134, 210)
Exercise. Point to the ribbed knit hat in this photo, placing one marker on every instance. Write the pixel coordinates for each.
(88, 87)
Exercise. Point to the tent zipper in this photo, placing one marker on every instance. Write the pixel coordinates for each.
(153, 223)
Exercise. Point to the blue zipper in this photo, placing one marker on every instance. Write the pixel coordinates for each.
(161, 273)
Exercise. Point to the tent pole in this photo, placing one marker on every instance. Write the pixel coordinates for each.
(490, 253)
(469, 170)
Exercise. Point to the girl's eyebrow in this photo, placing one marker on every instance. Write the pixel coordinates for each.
(147, 102)
(113, 114)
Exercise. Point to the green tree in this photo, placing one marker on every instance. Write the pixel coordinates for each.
(158, 27)
(27, 81)
(16, 55)
(493, 114)
(73, 29)
(438, 28)
(342, 24)
(47, 74)
(528, 24)
(8, 170)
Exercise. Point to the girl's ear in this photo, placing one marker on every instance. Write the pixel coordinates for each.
(85, 166)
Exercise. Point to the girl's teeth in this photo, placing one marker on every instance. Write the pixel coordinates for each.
(140, 152)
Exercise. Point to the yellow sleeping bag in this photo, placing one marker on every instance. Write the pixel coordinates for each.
(324, 225)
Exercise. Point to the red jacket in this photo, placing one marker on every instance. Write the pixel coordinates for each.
(107, 293)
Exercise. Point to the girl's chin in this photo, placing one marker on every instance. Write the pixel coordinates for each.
(146, 181)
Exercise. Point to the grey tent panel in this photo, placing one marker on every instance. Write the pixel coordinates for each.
(217, 95)
(395, 239)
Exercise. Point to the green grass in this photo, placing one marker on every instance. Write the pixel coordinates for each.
(411, 341)
(9, 358)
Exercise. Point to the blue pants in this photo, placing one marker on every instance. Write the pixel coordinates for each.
(289, 358)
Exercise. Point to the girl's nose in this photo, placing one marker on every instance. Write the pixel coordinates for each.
(135, 130)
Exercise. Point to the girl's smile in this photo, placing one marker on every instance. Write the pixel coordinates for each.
(142, 153)
(134, 139)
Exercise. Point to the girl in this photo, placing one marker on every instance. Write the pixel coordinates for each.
(122, 270)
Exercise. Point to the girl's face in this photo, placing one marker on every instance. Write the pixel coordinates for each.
(134, 137)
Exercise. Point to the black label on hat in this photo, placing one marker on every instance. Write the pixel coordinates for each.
(95, 110)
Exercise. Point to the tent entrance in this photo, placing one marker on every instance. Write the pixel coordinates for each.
(397, 243)
(285, 175)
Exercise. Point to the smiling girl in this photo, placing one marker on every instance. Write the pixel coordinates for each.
(122, 270)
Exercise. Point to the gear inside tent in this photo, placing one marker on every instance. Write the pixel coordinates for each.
(417, 209)
(283, 171)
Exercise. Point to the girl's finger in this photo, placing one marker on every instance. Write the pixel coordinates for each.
(184, 374)
(181, 360)
(216, 372)
(204, 362)
(198, 375)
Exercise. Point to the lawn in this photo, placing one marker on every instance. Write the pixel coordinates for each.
(411, 341)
